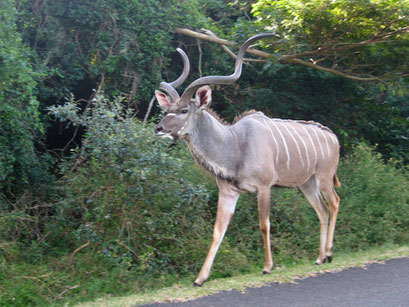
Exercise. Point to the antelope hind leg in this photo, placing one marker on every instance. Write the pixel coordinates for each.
(313, 195)
(333, 201)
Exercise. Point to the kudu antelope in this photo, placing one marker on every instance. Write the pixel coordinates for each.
(252, 155)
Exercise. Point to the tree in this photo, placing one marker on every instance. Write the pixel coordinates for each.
(360, 39)
(20, 125)
(118, 47)
(365, 40)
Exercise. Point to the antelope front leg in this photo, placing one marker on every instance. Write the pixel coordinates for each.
(263, 199)
(225, 209)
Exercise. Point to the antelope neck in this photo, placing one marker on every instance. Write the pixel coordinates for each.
(213, 146)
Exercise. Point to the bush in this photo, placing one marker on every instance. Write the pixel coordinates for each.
(125, 193)
(135, 212)
(374, 201)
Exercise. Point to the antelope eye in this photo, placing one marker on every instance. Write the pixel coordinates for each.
(184, 111)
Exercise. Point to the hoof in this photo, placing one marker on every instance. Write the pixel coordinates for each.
(319, 262)
(196, 284)
(329, 259)
(266, 272)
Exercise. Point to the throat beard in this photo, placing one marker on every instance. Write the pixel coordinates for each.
(213, 168)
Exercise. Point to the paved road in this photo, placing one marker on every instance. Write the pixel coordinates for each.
(377, 284)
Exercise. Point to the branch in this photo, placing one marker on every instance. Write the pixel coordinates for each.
(333, 71)
(71, 259)
(295, 58)
(199, 65)
(379, 38)
(59, 296)
(231, 53)
(221, 41)
(145, 119)
(205, 37)
(392, 23)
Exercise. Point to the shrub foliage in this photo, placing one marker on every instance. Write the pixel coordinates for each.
(134, 211)
(130, 211)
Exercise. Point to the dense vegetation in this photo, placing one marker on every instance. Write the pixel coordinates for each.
(92, 203)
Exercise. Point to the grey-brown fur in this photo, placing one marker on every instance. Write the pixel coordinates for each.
(252, 155)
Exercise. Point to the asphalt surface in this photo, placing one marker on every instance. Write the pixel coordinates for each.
(377, 284)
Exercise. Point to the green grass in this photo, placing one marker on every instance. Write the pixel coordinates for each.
(184, 290)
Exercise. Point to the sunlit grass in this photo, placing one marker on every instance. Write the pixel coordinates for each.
(184, 290)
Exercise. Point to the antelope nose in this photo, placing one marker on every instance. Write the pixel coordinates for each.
(158, 129)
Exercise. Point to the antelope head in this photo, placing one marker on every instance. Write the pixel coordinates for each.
(181, 115)
(183, 111)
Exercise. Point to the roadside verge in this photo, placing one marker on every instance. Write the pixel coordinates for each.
(184, 292)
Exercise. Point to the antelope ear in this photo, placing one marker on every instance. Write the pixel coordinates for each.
(164, 100)
(203, 97)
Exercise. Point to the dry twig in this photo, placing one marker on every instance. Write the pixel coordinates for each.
(71, 259)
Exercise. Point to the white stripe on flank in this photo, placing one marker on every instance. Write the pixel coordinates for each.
(296, 144)
(319, 142)
(272, 134)
(326, 141)
(334, 139)
(285, 144)
(305, 146)
(312, 143)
